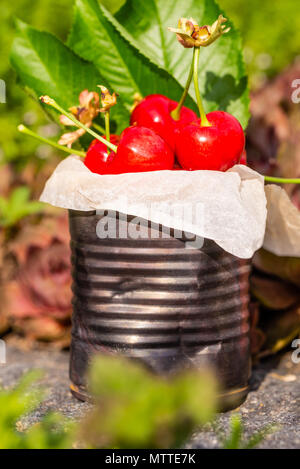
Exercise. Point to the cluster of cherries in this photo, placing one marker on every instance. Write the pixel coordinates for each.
(156, 141)
(163, 134)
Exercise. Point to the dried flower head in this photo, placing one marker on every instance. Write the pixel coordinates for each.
(108, 100)
(86, 112)
(190, 34)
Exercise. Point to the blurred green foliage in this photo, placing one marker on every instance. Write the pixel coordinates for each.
(53, 432)
(140, 410)
(17, 206)
(137, 409)
(270, 32)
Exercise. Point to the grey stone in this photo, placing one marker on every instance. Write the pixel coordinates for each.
(274, 397)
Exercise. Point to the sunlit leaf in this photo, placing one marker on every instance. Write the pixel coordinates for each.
(223, 79)
(96, 37)
(46, 66)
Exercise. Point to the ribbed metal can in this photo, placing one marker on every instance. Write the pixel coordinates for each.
(156, 301)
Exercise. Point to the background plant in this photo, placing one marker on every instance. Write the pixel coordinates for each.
(17, 206)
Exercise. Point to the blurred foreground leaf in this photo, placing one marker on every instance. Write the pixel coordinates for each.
(132, 409)
(52, 432)
(140, 410)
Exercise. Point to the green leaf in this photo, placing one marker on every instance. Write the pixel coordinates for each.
(52, 432)
(113, 5)
(46, 66)
(223, 82)
(259, 437)
(234, 440)
(17, 206)
(96, 36)
(141, 410)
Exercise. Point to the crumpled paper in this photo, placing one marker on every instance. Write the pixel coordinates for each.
(229, 208)
(283, 223)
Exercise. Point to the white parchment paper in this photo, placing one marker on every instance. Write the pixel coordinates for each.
(231, 206)
(283, 223)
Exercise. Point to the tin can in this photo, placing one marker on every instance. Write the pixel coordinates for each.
(153, 300)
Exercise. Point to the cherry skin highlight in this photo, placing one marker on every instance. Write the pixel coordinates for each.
(215, 148)
(141, 149)
(154, 112)
(97, 157)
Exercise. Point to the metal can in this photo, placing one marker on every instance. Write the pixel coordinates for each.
(153, 300)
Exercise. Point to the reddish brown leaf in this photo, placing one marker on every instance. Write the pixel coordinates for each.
(274, 294)
(286, 268)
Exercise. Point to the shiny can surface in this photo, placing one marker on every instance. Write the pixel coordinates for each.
(158, 302)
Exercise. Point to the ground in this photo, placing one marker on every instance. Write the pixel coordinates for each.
(274, 396)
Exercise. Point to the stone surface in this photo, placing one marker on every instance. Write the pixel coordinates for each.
(274, 396)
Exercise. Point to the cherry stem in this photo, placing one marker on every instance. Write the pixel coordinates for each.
(176, 112)
(52, 103)
(71, 151)
(107, 127)
(204, 121)
(281, 180)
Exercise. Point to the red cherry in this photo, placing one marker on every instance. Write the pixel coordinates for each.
(216, 148)
(141, 149)
(243, 159)
(154, 112)
(97, 157)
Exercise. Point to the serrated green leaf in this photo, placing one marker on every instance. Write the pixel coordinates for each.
(96, 37)
(223, 81)
(47, 66)
(113, 5)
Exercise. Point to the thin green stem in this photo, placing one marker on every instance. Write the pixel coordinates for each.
(52, 103)
(99, 128)
(204, 121)
(107, 127)
(176, 112)
(281, 180)
(71, 151)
